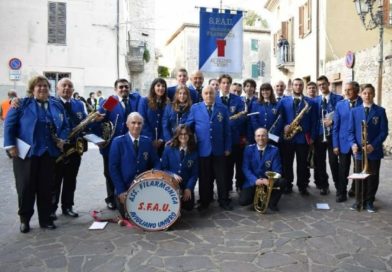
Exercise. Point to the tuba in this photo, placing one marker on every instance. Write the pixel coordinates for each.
(294, 127)
(263, 192)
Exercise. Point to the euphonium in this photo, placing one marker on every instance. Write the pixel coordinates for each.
(263, 192)
(294, 127)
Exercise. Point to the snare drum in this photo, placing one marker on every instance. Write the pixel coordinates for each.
(153, 201)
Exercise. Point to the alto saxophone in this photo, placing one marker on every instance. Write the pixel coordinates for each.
(294, 127)
(263, 192)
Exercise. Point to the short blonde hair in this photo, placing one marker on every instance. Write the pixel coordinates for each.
(34, 81)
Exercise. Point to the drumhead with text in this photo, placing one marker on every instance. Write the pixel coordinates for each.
(153, 204)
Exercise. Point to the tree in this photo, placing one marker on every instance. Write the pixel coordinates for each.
(252, 17)
(163, 71)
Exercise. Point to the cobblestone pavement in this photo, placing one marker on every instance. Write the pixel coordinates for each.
(298, 238)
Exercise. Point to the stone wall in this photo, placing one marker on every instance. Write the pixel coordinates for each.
(366, 71)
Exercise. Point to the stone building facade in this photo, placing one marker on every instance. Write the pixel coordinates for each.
(365, 70)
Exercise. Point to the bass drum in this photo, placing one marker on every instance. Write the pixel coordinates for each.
(153, 201)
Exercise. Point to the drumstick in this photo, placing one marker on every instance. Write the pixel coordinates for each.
(156, 133)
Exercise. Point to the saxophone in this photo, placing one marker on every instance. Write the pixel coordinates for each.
(263, 192)
(294, 127)
(240, 114)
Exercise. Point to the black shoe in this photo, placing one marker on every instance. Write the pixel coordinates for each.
(226, 206)
(50, 226)
(324, 191)
(24, 227)
(369, 207)
(351, 193)
(304, 192)
(341, 198)
(53, 216)
(70, 212)
(288, 190)
(355, 207)
(274, 208)
(111, 206)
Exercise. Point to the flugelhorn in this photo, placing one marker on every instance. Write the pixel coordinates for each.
(263, 192)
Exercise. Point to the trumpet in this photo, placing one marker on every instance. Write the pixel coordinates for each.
(263, 192)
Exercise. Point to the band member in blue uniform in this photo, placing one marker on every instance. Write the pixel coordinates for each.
(235, 106)
(377, 131)
(176, 113)
(40, 122)
(180, 158)
(259, 158)
(210, 121)
(245, 127)
(340, 140)
(311, 89)
(130, 155)
(196, 86)
(326, 104)
(182, 78)
(291, 107)
(152, 108)
(67, 169)
(267, 107)
(280, 87)
(128, 102)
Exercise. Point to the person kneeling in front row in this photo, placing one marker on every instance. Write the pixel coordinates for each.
(259, 158)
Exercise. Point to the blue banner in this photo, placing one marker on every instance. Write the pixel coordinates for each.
(220, 43)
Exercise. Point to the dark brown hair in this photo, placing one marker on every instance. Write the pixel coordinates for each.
(267, 86)
(191, 146)
(152, 96)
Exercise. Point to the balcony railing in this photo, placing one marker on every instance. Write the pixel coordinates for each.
(135, 61)
(285, 56)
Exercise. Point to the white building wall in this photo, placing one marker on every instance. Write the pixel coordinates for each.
(90, 53)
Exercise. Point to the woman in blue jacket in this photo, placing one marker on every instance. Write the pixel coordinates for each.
(177, 112)
(180, 159)
(40, 124)
(151, 108)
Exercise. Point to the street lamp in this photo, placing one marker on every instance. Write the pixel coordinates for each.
(371, 20)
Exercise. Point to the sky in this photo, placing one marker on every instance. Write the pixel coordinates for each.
(171, 14)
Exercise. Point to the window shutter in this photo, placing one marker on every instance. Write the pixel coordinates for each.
(301, 22)
(57, 19)
(285, 29)
(255, 70)
(61, 23)
(387, 13)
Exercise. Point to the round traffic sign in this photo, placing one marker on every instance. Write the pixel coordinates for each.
(15, 64)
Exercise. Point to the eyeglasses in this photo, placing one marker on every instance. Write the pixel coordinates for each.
(123, 87)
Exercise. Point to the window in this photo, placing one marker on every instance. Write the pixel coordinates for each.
(53, 78)
(254, 45)
(258, 69)
(305, 19)
(57, 23)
